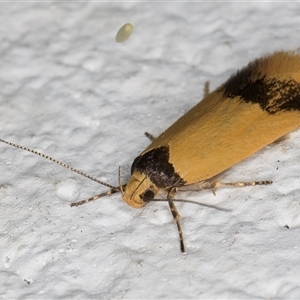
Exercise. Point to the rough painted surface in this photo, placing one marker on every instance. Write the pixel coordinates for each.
(69, 91)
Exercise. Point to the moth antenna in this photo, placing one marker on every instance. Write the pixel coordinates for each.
(61, 164)
(187, 201)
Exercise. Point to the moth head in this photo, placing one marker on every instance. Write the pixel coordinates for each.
(139, 190)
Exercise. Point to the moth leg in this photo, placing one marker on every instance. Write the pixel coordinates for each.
(176, 217)
(150, 136)
(219, 184)
(214, 185)
(206, 88)
(107, 193)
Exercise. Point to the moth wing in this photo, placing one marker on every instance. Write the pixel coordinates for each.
(228, 126)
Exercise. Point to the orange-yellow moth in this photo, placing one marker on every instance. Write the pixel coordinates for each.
(259, 104)
(124, 33)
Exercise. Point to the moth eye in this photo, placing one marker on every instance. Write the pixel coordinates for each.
(148, 195)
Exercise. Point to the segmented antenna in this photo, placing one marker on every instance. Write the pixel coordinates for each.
(186, 201)
(61, 164)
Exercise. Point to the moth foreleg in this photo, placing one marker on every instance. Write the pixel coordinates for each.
(176, 217)
(107, 193)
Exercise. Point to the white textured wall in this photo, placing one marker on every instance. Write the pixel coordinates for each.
(66, 93)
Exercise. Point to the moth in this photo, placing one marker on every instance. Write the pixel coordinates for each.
(253, 108)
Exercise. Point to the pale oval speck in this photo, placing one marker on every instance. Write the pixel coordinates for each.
(124, 33)
(67, 190)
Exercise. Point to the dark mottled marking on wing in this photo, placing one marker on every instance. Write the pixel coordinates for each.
(155, 163)
(273, 95)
